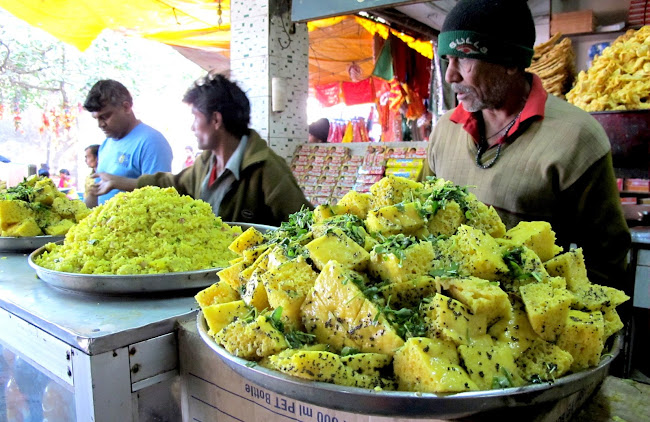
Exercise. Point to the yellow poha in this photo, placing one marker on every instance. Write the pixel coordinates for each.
(148, 231)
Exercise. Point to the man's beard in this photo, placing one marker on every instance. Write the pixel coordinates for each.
(496, 95)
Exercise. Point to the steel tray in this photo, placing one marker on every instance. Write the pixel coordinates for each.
(132, 284)
(22, 244)
(412, 404)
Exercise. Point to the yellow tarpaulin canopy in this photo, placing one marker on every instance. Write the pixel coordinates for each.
(192, 26)
(185, 23)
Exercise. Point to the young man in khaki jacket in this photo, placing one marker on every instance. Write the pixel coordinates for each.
(237, 173)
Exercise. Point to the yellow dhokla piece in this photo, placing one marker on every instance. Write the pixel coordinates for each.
(446, 220)
(323, 212)
(219, 315)
(355, 203)
(431, 366)
(357, 324)
(59, 228)
(250, 238)
(515, 331)
(547, 308)
(14, 211)
(25, 228)
(476, 252)
(359, 370)
(594, 297)
(612, 322)
(488, 361)
(583, 338)
(528, 269)
(409, 293)
(73, 210)
(251, 340)
(337, 246)
(287, 287)
(232, 276)
(544, 361)
(371, 331)
(571, 266)
(453, 321)
(535, 235)
(392, 190)
(414, 261)
(219, 292)
(481, 296)
(483, 217)
(251, 254)
(255, 294)
(276, 257)
(395, 219)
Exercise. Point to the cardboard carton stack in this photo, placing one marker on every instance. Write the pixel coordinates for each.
(325, 173)
(381, 161)
(639, 13)
(581, 21)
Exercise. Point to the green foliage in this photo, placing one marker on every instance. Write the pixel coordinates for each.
(295, 338)
(514, 261)
(396, 245)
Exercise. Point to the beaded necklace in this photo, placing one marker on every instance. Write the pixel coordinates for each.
(483, 145)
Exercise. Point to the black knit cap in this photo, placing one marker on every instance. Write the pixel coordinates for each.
(497, 31)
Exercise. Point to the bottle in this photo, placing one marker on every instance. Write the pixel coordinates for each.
(57, 403)
(17, 406)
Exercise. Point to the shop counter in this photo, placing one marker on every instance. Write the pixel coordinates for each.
(69, 356)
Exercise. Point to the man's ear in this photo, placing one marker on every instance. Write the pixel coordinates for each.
(217, 119)
(513, 70)
(127, 106)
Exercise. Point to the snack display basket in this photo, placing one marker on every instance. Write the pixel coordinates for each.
(131, 284)
(20, 244)
(413, 404)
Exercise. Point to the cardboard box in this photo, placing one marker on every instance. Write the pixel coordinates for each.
(639, 12)
(637, 185)
(573, 22)
(211, 391)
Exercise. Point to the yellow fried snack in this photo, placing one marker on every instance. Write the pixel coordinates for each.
(618, 79)
(553, 63)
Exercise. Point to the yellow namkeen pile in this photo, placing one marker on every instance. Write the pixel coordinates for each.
(411, 287)
(150, 230)
(618, 79)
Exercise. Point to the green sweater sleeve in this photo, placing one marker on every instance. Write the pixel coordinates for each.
(591, 215)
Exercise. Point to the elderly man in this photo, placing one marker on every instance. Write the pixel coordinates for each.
(131, 148)
(237, 173)
(529, 154)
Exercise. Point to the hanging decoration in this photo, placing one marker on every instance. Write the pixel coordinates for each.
(58, 121)
(219, 12)
(17, 117)
(355, 72)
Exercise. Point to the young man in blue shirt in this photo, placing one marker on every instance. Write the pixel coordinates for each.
(131, 148)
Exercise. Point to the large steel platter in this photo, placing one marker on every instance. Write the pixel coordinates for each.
(131, 284)
(411, 404)
(22, 244)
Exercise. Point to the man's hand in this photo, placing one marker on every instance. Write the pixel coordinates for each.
(108, 182)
